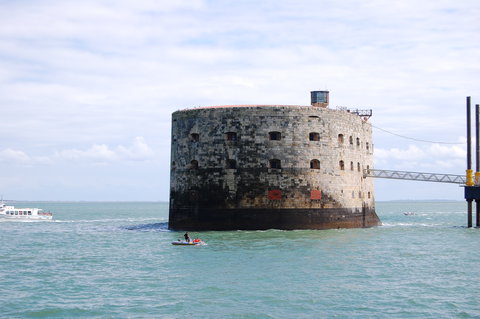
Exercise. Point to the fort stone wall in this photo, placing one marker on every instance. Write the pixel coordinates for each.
(271, 166)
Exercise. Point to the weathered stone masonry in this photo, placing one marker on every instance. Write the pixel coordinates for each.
(270, 166)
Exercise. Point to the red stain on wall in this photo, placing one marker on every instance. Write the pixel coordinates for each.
(316, 194)
(275, 194)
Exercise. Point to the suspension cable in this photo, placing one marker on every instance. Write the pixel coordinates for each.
(415, 139)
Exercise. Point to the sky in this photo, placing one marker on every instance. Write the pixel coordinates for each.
(87, 88)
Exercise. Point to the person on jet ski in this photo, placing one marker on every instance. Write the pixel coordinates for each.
(187, 238)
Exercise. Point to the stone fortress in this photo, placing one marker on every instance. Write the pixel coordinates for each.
(255, 167)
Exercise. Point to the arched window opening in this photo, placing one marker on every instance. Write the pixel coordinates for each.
(231, 136)
(351, 166)
(340, 139)
(342, 165)
(358, 142)
(358, 166)
(367, 146)
(314, 136)
(231, 164)
(369, 195)
(193, 164)
(275, 136)
(315, 164)
(350, 139)
(368, 169)
(275, 163)
(194, 137)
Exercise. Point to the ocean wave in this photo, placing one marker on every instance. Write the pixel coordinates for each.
(403, 224)
(148, 227)
(109, 220)
(25, 220)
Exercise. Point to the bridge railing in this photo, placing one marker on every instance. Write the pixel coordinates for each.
(415, 176)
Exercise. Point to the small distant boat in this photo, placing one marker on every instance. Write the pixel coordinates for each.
(10, 212)
(409, 213)
(195, 242)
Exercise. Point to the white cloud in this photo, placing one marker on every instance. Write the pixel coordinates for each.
(12, 156)
(433, 158)
(454, 152)
(9, 155)
(97, 153)
(411, 153)
(138, 151)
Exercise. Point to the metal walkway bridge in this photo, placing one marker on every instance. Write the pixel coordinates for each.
(415, 176)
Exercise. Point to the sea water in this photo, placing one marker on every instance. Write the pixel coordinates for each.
(115, 260)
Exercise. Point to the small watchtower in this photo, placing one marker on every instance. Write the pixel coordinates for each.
(319, 98)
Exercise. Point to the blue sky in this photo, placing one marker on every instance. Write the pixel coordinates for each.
(87, 88)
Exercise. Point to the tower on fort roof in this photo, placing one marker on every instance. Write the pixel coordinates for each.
(319, 98)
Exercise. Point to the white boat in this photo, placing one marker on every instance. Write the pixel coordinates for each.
(10, 212)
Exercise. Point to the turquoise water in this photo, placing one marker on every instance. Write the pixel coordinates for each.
(115, 260)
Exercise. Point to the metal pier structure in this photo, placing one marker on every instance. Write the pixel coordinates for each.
(472, 185)
(415, 176)
(471, 181)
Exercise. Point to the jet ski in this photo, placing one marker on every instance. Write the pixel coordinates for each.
(195, 242)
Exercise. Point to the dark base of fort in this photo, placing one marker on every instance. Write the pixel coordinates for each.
(261, 219)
